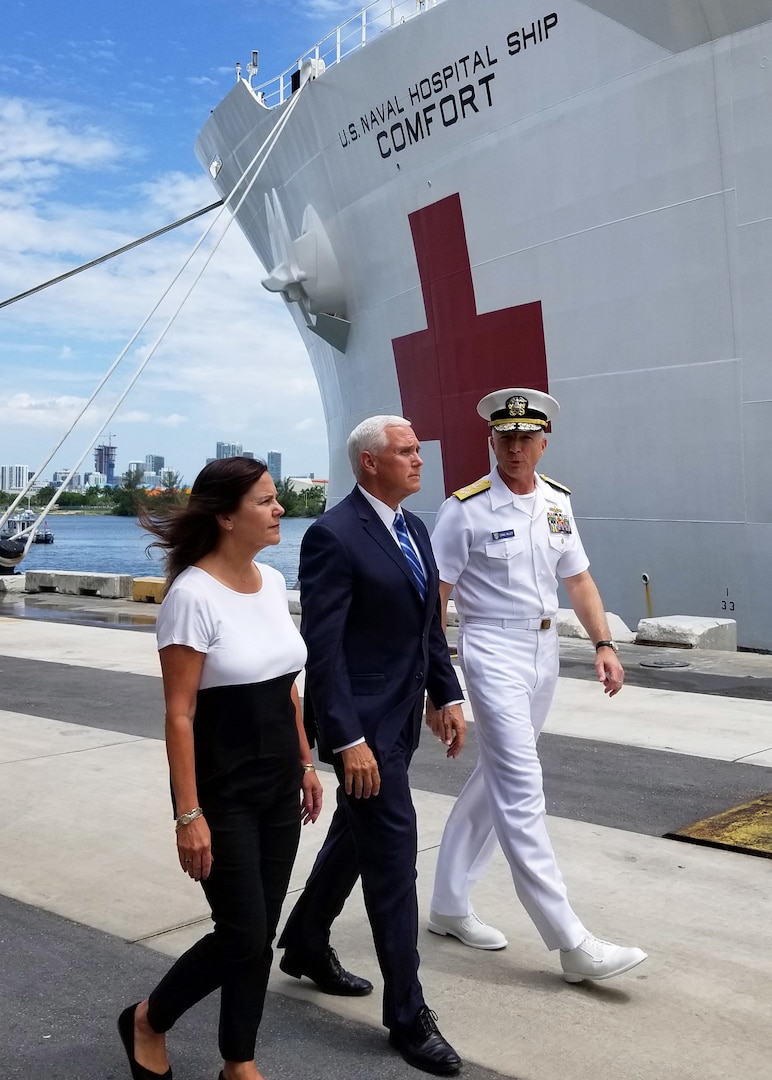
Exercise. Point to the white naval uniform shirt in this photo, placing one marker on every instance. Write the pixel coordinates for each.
(504, 561)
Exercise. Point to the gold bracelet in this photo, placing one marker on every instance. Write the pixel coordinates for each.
(308, 766)
(185, 819)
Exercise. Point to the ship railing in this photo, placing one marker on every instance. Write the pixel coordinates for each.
(351, 36)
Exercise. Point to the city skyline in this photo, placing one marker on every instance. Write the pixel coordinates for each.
(153, 469)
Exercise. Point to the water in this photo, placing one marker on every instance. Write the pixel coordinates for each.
(102, 544)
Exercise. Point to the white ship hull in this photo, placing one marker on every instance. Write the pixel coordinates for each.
(574, 196)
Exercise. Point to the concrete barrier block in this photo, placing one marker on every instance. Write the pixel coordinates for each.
(11, 583)
(293, 599)
(74, 583)
(570, 627)
(688, 632)
(148, 590)
(620, 631)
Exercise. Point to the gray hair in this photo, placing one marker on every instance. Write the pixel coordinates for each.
(370, 435)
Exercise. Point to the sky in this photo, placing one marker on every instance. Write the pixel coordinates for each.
(100, 106)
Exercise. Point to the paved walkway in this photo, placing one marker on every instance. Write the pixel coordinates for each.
(92, 902)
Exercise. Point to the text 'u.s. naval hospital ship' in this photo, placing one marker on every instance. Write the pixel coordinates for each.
(573, 195)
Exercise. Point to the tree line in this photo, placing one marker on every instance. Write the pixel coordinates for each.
(126, 499)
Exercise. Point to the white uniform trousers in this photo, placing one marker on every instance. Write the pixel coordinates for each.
(511, 677)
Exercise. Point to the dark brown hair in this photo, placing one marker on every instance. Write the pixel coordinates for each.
(188, 533)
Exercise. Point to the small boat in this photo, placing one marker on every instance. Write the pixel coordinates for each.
(18, 526)
(43, 534)
(15, 535)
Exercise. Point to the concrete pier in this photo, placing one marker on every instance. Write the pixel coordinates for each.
(93, 903)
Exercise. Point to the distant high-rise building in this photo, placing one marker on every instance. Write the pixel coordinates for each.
(94, 479)
(154, 462)
(104, 461)
(228, 449)
(273, 461)
(170, 478)
(74, 483)
(13, 477)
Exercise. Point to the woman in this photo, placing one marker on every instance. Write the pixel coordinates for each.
(237, 753)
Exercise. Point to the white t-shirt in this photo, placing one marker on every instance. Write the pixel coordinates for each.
(246, 637)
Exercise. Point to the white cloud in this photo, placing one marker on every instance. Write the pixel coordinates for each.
(338, 11)
(333, 9)
(133, 416)
(232, 367)
(31, 133)
(24, 406)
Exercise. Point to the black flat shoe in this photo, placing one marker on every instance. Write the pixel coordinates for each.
(126, 1032)
(423, 1047)
(326, 970)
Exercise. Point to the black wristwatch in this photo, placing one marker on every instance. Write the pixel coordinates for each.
(606, 645)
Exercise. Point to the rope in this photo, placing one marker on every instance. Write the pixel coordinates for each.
(266, 148)
(110, 255)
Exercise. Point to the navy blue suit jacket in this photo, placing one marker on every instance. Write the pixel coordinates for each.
(373, 645)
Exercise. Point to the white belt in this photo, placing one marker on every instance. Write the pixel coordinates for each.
(539, 623)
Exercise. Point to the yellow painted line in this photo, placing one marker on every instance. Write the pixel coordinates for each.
(746, 828)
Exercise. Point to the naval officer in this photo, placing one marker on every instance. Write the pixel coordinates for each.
(501, 544)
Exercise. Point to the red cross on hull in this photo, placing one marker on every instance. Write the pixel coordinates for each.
(443, 371)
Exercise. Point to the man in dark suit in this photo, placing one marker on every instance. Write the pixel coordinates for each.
(371, 621)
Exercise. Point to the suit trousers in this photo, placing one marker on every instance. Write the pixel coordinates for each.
(510, 678)
(377, 838)
(253, 850)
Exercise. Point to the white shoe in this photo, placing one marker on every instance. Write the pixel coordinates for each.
(596, 959)
(468, 929)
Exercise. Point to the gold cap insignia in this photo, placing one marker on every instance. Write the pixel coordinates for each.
(516, 406)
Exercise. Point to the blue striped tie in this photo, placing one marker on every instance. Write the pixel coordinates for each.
(409, 552)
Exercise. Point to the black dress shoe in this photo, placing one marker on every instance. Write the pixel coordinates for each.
(126, 1032)
(326, 971)
(423, 1047)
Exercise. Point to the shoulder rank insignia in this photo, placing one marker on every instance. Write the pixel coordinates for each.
(553, 484)
(472, 489)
